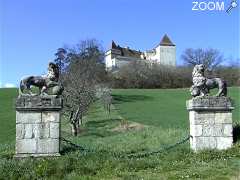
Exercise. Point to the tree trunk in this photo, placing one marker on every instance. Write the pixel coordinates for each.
(74, 129)
(74, 119)
(81, 119)
(78, 126)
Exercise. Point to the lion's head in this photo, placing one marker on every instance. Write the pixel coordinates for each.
(54, 68)
(198, 70)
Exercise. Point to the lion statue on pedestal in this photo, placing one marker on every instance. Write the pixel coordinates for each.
(202, 85)
(45, 82)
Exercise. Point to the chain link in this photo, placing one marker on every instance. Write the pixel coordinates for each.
(149, 153)
(131, 155)
(79, 147)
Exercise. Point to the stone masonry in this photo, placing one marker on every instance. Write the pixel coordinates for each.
(37, 126)
(210, 122)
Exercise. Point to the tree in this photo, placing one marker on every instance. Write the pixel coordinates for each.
(211, 58)
(60, 57)
(142, 74)
(80, 79)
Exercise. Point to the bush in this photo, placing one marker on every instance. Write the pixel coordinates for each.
(139, 74)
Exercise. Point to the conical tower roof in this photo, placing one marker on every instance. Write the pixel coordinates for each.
(166, 41)
(113, 45)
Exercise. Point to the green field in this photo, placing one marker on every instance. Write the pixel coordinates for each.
(160, 107)
(7, 114)
(140, 121)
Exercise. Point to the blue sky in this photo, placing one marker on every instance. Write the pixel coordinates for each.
(32, 30)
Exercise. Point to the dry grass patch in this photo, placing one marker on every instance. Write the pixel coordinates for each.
(128, 126)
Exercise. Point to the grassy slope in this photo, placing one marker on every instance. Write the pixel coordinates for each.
(159, 107)
(7, 114)
(147, 107)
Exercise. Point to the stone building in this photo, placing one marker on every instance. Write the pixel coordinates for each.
(164, 53)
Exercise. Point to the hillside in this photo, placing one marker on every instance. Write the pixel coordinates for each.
(140, 121)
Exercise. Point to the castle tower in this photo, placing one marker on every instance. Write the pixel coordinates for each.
(110, 55)
(167, 51)
(164, 53)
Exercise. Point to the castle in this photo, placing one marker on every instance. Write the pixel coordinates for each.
(164, 53)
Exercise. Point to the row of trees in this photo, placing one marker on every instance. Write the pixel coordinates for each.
(82, 73)
(140, 74)
(85, 80)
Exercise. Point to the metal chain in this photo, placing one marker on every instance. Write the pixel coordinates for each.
(131, 155)
(149, 153)
(81, 148)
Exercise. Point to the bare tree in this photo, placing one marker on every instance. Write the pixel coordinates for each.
(141, 74)
(83, 73)
(104, 95)
(211, 58)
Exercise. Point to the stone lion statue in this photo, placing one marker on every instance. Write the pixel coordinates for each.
(202, 85)
(50, 80)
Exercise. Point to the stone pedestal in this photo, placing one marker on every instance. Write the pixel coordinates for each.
(38, 126)
(210, 122)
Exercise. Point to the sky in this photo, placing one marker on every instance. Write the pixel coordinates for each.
(32, 30)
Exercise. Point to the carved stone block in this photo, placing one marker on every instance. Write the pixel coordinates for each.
(210, 122)
(48, 146)
(26, 146)
(38, 126)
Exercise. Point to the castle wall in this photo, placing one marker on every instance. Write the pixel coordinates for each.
(156, 57)
(163, 54)
(168, 55)
(110, 58)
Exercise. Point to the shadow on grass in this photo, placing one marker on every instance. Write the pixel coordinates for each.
(236, 133)
(93, 129)
(68, 149)
(99, 134)
(130, 98)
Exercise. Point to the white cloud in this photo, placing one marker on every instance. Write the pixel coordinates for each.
(9, 85)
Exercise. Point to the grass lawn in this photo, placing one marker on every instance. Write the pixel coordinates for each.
(7, 114)
(160, 107)
(140, 120)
